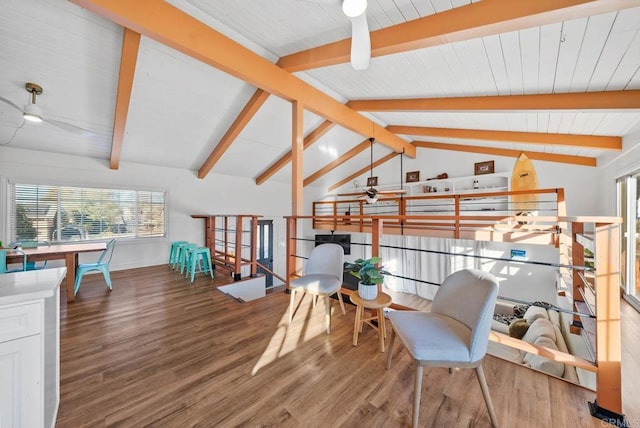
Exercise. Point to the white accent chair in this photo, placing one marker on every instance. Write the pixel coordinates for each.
(322, 277)
(454, 334)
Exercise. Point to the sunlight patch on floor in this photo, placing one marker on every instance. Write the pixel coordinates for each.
(307, 323)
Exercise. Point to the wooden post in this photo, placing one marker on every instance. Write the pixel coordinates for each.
(577, 259)
(226, 240)
(254, 246)
(297, 141)
(292, 232)
(608, 346)
(376, 235)
(237, 268)
(210, 234)
(456, 232)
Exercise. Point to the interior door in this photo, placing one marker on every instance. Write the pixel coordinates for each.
(265, 249)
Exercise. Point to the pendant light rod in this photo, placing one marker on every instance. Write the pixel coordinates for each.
(371, 140)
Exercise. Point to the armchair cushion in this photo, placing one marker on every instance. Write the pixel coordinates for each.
(317, 283)
(447, 340)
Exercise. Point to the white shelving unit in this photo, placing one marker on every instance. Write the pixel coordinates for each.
(498, 182)
(487, 183)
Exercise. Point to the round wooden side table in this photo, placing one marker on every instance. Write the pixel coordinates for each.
(379, 303)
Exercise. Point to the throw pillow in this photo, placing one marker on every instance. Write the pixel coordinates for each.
(543, 364)
(535, 312)
(540, 327)
(518, 328)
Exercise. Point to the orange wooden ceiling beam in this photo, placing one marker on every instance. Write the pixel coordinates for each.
(548, 157)
(363, 171)
(128, 60)
(573, 140)
(336, 163)
(611, 100)
(250, 109)
(308, 140)
(172, 27)
(485, 18)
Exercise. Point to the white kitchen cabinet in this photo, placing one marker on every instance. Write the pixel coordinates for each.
(30, 348)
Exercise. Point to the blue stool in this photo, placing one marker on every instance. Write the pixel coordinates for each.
(184, 256)
(200, 261)
(173, 252)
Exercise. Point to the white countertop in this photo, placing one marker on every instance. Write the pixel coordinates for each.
(35, 284)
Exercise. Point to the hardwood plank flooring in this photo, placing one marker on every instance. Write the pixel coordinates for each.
(159, 351)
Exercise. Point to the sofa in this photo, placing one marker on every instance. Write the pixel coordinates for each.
(544, 330)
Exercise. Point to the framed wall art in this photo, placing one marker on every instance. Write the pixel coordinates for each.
(413, 176)
(483, 168)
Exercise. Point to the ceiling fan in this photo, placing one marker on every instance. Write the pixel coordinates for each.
(371, 194)
(31, 112)
(360, 40)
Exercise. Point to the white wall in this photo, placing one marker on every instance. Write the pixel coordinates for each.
(615, 166)
(186, 195)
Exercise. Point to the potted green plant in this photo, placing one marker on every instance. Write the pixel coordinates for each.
(369, 274)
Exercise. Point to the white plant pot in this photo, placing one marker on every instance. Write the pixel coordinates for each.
(367, 292)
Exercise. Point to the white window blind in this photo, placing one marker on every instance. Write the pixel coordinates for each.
(57, 213)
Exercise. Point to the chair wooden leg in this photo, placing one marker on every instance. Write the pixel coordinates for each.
(314, 300)
(391, 340)
(292, 301)
(485, 393)
(417, 391)
(327, 316)
(344, 312)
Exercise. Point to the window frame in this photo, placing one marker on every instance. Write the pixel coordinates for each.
(10, 204)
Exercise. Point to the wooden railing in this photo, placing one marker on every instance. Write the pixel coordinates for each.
(560, 231)
(443, 215)
(227, 235)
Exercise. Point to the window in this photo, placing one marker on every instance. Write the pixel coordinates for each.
(629, 209)
(59, 214)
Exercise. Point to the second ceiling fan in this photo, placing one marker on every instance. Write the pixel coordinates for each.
(371, 194)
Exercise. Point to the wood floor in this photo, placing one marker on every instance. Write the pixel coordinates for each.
(159, 351)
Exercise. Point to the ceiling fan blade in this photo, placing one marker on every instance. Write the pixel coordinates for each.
(360, 43)
(351, 194)
(70, 128)
(11, 103)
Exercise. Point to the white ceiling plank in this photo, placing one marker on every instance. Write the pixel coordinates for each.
(529, 57)
(596, 34)
(510, 43)
(549, 47)
(493, 48)
(573, 36)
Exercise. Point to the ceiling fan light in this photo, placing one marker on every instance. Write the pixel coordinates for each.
(32, 113)
(353, 8)
(371, 200)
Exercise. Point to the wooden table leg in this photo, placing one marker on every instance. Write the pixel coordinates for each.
(356, 326)
(71, 261)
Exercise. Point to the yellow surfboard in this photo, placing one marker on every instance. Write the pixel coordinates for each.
(524, 177)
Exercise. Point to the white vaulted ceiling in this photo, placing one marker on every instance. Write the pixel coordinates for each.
(180, 108)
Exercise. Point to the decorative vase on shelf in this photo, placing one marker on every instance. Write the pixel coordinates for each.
(367, 292)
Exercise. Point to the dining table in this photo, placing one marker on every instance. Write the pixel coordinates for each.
(68, 252)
